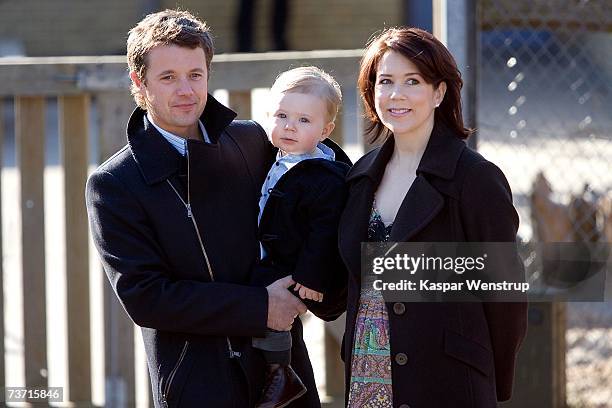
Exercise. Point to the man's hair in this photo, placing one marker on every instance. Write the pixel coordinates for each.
(313, 81)
(168, 27)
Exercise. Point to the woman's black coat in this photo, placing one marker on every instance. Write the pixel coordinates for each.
(443, 354)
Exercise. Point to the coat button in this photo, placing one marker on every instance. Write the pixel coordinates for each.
(399, 308)
(401, 358)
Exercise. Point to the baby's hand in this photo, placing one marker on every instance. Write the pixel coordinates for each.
(306, 293)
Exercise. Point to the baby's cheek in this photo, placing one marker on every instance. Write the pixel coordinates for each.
(274, 135)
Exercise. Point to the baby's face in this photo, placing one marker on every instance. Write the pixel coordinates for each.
(298, 122)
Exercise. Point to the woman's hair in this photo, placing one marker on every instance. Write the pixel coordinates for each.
(311, 81)
(168, 27)
(435, 63)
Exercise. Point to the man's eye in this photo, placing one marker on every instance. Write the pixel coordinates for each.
(281, 115)
(196, 76)
(167, 77)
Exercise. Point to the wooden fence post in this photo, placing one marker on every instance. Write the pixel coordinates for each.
(114, 109)
(540, 370)
(74, 127)
(352, 122)
(30, 144)
(2, 370)
(240, 102)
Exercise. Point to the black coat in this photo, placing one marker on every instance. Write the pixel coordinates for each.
(151, 253)
(299, 226)
(443, 354)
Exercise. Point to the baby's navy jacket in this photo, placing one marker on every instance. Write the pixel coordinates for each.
(299, 225)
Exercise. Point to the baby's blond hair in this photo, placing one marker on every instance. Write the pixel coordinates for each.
(311, 80)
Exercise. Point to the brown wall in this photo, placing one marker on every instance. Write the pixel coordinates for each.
(96, 27)
(67, 27)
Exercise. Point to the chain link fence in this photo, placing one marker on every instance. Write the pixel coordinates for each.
(544, 116)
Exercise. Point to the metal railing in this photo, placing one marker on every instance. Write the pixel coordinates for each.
(544, 77)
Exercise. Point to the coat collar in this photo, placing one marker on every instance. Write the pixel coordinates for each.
(439, 159)
(155, 157)
(340, 155)
(422, 201)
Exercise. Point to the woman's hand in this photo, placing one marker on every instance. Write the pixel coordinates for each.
(306, 293)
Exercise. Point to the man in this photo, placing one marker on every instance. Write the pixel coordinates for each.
(174, 217)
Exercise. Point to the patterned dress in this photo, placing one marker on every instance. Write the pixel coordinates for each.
(370, 384)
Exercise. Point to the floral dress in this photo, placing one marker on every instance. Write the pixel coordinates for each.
(370, 383)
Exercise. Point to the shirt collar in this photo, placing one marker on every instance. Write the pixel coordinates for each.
(178, 142)
(320, 151)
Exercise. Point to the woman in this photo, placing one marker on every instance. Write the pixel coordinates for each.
(423, 185)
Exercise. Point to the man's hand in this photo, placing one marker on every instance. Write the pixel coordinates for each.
(306, 293)
(283, 307)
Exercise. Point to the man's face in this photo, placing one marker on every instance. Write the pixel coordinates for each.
(175, 88)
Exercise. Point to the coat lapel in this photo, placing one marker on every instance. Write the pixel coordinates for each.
(420, 205)
(423, 201)
(155, 157)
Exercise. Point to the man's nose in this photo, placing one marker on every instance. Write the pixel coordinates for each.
(184, 87)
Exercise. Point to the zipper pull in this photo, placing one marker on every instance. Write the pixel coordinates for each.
(234, 354)
(189, 214)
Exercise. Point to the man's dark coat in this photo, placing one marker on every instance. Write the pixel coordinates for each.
(443, 354)
(151, 253)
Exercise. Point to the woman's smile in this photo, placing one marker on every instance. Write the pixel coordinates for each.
(399, 112)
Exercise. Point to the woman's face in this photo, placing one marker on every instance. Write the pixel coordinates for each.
(404, 102)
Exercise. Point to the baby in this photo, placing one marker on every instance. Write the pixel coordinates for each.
(299, 210)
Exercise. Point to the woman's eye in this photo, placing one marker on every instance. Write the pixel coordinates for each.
(281, 115)
(384, 81)
(412, 81)
(304, 120)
